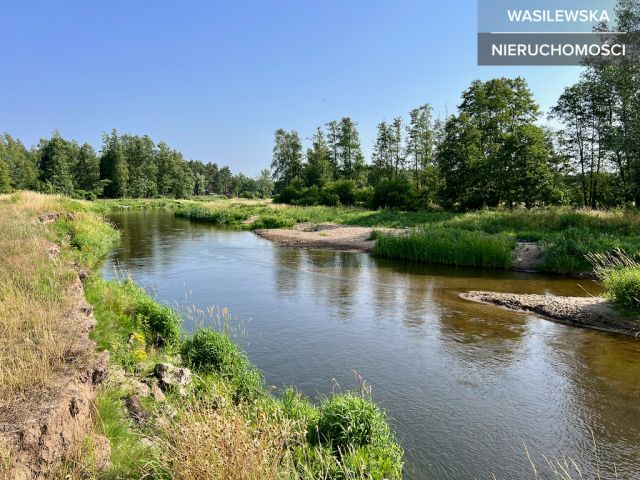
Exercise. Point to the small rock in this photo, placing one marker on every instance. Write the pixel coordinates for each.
(172, 377)
(139, 388)
(156, 393)
(134, 407)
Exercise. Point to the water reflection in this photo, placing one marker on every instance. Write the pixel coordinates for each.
(466, 384)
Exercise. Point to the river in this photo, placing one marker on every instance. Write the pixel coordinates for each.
(466, 385)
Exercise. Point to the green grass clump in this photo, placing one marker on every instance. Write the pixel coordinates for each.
(350, 420)
(211, 352)
(448, 246)
(216, 216)
(352, 439)
(273, 221)
(623, 287)
(567, 251)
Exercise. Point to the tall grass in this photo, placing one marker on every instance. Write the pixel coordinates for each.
(620, 276)
(448, 246)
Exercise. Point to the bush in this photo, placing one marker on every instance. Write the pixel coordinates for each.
(287, 195)
(396, 193)
(344, 189)
(329, 199)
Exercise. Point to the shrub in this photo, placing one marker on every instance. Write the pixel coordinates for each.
(298, 408)
(344, 189)
(329, 199)
(396, 193)
(287, 195)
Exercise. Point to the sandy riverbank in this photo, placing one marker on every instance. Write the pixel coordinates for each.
(589, 312)
(326, 236)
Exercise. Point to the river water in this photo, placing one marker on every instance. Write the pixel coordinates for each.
(467, 385)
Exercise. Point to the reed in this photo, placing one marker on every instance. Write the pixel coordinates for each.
(448, 246)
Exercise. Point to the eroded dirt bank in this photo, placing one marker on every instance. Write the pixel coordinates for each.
(47, 427)
(590, 312)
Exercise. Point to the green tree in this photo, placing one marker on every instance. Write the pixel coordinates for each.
(397, 150)
(350, 158)
(87, 170)
(460, 159)
(22, 164)
(264, 183)
(382, 161)
(527, 159)
(489, 114)
(141, 163)
(332, 146)
(287, 157)
(318, 170)
(5, 178)
(166, 167)
(113, 166)
(56, 160)
(420, 144)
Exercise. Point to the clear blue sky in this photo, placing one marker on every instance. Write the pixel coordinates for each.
(215, 79)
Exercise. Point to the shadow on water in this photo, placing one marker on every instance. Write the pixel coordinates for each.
(466, 384)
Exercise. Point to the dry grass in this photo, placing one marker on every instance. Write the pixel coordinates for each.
(40, 337)
(229, 443)
(32, 339)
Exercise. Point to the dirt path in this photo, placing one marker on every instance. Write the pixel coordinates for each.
(325, 235)
(590, 312)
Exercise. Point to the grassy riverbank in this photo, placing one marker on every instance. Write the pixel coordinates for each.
(483, 238)
(223, 425)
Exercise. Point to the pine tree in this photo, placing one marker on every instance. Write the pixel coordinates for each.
(113, 166)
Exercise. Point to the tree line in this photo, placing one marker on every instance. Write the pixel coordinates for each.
(492, 151)
(126, 166)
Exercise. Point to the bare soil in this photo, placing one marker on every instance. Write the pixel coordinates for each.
(590, 312)
(526, 256)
